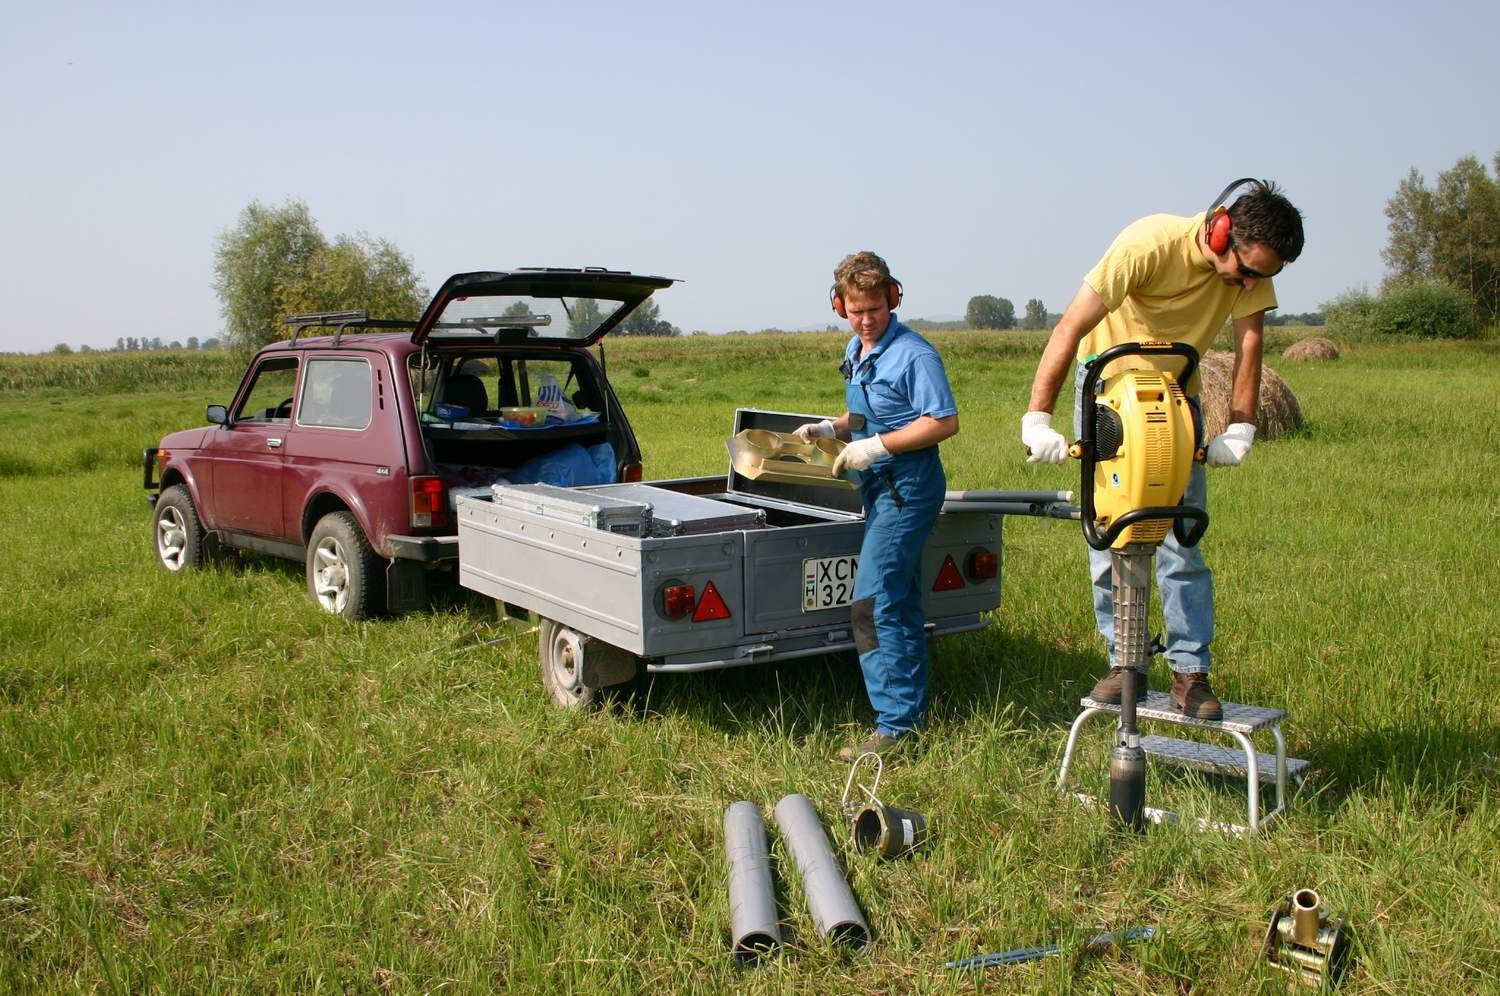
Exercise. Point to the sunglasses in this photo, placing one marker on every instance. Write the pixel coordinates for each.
(1246, 273)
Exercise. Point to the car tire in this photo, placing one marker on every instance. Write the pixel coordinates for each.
(181, 542)
(566, 657)
(343, 571)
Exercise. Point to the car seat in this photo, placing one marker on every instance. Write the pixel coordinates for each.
(467, 390)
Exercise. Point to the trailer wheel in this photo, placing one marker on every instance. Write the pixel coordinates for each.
(577, 669)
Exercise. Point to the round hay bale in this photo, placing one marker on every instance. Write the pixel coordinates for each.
(1278, 410)
(1314, 348)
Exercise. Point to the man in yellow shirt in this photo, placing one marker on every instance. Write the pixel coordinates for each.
(1174, 278)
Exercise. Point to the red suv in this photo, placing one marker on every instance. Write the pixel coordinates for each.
(345, 451)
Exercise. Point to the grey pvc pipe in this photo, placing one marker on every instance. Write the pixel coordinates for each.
(832, 905)
(754, 930)
(1042, 509)
(1021, 496)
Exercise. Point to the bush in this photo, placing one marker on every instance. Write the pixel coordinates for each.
(1429, 310)
(1425, 309)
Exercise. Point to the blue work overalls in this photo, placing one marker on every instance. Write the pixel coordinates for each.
(902, 495)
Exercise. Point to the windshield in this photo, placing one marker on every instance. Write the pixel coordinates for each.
(523, 315)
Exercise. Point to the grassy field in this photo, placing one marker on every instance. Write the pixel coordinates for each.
(207, 785)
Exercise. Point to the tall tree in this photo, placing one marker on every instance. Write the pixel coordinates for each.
(354, 272)
(985, 311)
(1450, 233)
(583, 317)
(1409, 221)
(1036, 314)
(254, 261)
(646, 320)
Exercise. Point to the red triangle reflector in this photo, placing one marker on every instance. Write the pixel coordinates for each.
(710, 605)
(948, 577)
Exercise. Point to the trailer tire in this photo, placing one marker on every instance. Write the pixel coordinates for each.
(576, 669)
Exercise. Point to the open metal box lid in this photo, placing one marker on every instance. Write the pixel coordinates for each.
(819, 495)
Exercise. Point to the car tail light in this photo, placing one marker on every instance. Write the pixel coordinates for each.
(948, 577)
(711, 605)
(983, 565)
(676, 599)
(633, 473)
(429, 502)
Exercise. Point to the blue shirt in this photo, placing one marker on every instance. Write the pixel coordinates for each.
(903, 377)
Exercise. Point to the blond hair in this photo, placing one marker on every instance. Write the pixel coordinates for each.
(862, 271)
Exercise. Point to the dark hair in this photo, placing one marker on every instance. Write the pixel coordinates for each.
(1265, 216)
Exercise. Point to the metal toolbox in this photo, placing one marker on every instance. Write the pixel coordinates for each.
(616, 514)
(676, 514)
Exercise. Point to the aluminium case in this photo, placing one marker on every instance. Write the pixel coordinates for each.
(676, 514)
(608, 513)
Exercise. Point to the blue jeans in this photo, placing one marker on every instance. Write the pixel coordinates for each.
(887, 612)
(1182, 576)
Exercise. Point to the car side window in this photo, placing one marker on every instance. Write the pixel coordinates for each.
(336, 393)
(269, 398)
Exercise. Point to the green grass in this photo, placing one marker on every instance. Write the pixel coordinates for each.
(206, 784)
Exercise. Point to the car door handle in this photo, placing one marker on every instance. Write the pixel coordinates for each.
(274, 442)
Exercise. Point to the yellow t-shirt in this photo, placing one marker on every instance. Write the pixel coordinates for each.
(1158, 285)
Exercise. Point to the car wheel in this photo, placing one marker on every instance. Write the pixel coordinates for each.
(576, 669)
(343, 572)
(182, 544)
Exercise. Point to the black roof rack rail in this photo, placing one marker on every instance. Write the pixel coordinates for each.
(359, 318)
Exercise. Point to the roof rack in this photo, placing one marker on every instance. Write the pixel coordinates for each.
(359, 318)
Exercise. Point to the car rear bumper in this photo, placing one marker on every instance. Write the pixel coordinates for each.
(424, 549)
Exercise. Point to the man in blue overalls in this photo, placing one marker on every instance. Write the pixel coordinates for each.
(899, 408)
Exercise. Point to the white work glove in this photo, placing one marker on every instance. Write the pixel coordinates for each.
(1229, 447)
(1044, 443)
(808, 431)
(859, 454)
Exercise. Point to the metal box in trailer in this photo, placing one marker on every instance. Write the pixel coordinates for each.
(774, 583)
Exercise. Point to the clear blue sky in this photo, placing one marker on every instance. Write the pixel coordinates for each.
(981, 147)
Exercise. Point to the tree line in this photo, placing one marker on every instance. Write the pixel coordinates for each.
(1443, 254)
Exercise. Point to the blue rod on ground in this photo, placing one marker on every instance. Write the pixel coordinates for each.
(829, 900)
(754, 930)
(1098, 942)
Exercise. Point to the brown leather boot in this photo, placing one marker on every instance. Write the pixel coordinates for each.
(1107, 689)
(1192, 696)
(878, 744)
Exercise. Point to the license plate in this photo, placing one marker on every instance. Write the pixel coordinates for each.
(828, 582)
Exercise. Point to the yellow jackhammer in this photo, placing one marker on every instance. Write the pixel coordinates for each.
(1137, 448)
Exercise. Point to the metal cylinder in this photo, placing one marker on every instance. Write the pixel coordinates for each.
(890, 831)
(754, 930)
(1017, 496)
(1127, 787)
(1306, 917)
(829, 900)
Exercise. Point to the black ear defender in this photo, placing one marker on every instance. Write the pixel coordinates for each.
(894, 293)
(1220, 225)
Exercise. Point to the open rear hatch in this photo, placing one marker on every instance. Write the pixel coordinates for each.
(534, 305)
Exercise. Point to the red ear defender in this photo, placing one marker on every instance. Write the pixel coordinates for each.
(837, 300)
(1219, 224)
(893, 292)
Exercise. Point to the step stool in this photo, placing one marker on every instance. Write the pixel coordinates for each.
(1240, 722)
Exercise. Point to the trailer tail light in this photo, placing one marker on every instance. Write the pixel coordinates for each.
(429, 502)
(676, 599)
(983, 565)
(633, 473)
(711, 605)
(948, 577)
